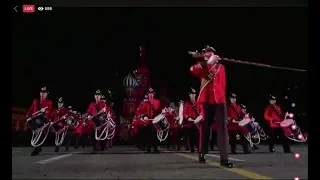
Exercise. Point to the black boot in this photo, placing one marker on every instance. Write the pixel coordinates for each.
(255, 147)
(226, 163)
(202, 159)
(36, 151)
(56, 149)
(271, 149)
(156, 151)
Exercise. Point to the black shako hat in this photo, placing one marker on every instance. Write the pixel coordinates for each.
(208, 48)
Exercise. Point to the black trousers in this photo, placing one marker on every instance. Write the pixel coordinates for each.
(213, 139)
(67, 140)
(151, 138)
(183, 138)
(82, 140)
(97, 144)
(193, 136)
(233, 141)
(211, 112)
(274, 132)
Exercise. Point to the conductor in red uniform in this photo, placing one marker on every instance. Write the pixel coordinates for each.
(150, 110)
(43, 105)
(235, 113)
(274, 115)
(213, 103)
(191, 111)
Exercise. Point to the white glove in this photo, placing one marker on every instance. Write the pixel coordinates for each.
(287, 114)
(164, 110)
(28, 119)
(253, 119)
(213, 59)
(103, 109)
(145, 118)
(190, 119)
(89, 117)
(42, 110)
(177, 118)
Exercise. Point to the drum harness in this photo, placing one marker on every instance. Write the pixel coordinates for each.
(63, 132)
(159, 133)
(248, 137)
(36, 134)
(108, 125)
(284, 117)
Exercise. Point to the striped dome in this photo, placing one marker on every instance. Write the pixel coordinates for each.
(129, 81)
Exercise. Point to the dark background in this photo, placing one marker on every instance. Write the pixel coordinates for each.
(75, 51)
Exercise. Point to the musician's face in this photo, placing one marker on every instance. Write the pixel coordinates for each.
(151, 95)
(192, 96)
(207, 55)
(70, 111)
(233, 100)
(97, 97)
(60, 105)
(43, 95)
(272, 101)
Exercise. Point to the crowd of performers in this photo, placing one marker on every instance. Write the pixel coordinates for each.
(191, 123)
(98, 123)
(209, 115)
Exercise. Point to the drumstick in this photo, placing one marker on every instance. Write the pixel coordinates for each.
(39, 111)
(235, 121)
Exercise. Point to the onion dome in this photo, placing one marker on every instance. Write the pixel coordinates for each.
(130, 82)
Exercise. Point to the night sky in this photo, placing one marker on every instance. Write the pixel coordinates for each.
(73, 54)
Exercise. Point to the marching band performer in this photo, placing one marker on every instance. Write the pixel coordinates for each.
(171, 116)
(59, 113)
(273, 114)
(234, 113)
(72, 121)
(191, 111)
(259, 128)
(45, 106)
(150, 110)
(141, 124)
(92, 111)
(213, 103)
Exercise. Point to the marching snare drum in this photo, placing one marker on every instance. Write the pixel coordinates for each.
(37, 122)
(161, 123)
(247, 126)
(292, 131)
(286, 126)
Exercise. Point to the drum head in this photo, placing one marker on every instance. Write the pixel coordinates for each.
(157, 118)
(198, 119)
(244, 122)
(287, 123)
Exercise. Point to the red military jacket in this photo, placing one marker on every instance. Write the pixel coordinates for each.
(145, 109)
(94, 108)
(171, 114)
(233, 112)
(43, 103)
(58, 113)
(273, 113)
(215, 91)
(190, 110)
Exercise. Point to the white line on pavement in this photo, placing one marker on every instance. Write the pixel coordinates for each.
(217, 156)
(15, 152)
(45, 161)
